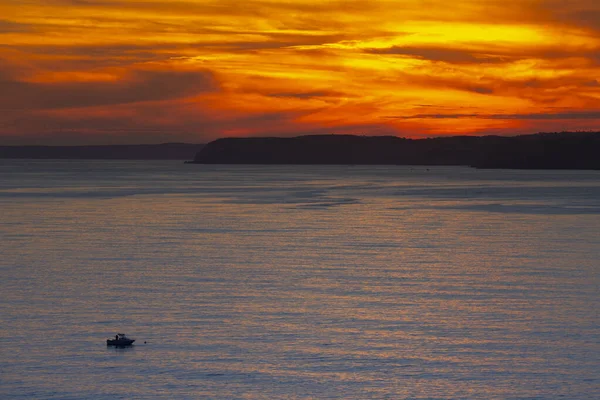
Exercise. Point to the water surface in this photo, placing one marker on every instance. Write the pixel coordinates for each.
(298, 282)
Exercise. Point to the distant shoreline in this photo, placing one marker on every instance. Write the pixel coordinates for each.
(165, 151)
(549, 151)
(542, 151)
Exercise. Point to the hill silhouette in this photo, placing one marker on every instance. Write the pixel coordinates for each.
(566, 150)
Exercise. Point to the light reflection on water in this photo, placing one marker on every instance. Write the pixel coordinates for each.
(298, 282)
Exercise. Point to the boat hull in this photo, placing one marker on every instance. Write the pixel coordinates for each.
(120, 342)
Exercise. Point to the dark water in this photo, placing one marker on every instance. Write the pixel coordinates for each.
(254, 282)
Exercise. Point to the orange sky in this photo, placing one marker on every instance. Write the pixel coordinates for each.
(149, 71)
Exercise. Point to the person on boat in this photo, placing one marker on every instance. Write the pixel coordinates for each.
(116, 337)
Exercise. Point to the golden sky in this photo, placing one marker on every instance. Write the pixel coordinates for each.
(149, 71)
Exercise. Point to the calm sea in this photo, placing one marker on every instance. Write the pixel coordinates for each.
(297, 282)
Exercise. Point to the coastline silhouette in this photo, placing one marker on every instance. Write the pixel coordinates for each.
(567, 150)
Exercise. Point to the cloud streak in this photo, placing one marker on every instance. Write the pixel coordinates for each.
(441, 54)
(135, 86)
(10, 26)
(573, 115)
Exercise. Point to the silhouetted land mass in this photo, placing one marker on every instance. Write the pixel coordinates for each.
(566, 150)
(165, 151)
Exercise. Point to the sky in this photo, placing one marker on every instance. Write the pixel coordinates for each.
(149, 71)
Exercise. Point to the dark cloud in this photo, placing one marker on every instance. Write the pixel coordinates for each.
(582, 14)
(87, 57)
(95, 51)
(547, 91)
(565, 115)
(495, 54)
(10, 27)
(476, 85)
(587, 18)
(308, 95)
(540, 90)
(478, 89)
(137, 86)
(77, 57)
(441, 54)
(89, 3)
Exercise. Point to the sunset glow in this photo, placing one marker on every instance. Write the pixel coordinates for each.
(149, 71)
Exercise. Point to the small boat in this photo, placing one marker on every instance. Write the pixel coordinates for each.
(120, 340)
